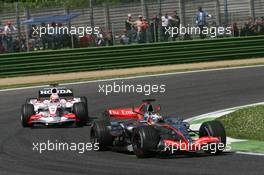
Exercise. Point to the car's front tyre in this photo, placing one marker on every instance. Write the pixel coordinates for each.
(144, 141)
(215, 129)
(80, 111)
(27, 111)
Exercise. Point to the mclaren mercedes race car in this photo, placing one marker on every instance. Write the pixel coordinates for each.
(54, 106)
(146, 133)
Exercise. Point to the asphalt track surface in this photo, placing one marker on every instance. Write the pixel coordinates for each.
(186, 95)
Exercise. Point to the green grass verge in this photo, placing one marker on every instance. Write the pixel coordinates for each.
(248, 146)
(246, 123)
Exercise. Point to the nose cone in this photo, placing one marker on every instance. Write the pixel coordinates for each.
(53, 110)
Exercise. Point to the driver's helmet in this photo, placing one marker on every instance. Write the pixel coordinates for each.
(154, 118)
(54, 98)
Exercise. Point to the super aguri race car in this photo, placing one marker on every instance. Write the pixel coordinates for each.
(145, 132)
(55, 106)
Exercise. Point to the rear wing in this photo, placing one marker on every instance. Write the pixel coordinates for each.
(61, 91)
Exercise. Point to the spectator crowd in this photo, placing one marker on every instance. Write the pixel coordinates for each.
(136, 30)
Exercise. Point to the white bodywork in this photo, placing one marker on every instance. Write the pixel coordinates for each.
(49, 113)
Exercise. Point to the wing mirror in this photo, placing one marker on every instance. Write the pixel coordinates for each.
(158, 108)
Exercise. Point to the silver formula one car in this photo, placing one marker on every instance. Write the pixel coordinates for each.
(55, 106)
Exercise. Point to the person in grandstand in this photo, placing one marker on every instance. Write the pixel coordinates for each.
(139, 27)
(124, 38)
(9, 31)
(165, 21)
(2, 49)
(154, 27)
(200, 20)
(175, 22)
(129, 26)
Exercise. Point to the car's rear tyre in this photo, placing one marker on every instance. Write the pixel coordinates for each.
(144, 141)
(100, 135)
(80, 110)
(215, 129)
(27, 111)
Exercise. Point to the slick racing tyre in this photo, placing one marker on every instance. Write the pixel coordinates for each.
(85, 101)
(79, 109)
(215, 129)
(100, 134)
(144, 141)
(26, 112)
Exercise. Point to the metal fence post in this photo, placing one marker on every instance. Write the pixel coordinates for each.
(113, 33)
(27, 14)
(252, 9)
(107, 17)
(144, 8)
(92, 19)
(67, 12)
(155, 33)
(217, 12)
(182, 11)
(91, 13)
(226, 11)
(18, 20)
(159, 8)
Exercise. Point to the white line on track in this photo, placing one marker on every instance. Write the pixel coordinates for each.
(222, 112)
(250, 153)
(140, 76)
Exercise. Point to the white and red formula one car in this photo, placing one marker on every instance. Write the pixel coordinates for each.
(55, 106)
